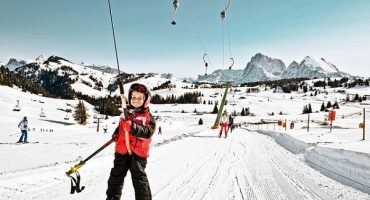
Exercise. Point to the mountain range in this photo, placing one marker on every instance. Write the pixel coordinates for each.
(259, 68)
(64, 78)
(264, 68)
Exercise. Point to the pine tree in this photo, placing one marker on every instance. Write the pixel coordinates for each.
(309, 108)
(335, 105)
(322, 107)
(200, 122)
(328, 105)
(80, 113)
(242, 113)
(305, 110)
(111, 107)
(305, 89)
(356, 97)
(215, 109)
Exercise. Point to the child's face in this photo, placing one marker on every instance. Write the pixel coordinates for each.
(137, 99)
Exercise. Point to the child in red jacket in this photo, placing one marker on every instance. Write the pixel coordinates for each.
(140, 126)
(224, 123)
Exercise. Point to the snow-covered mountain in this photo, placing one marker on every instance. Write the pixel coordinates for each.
(58, 73)
(313, 67)
(262, 68)
(14, 63)
(56, 70)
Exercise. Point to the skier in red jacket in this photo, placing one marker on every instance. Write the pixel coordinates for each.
(140, 126)
(224, 123)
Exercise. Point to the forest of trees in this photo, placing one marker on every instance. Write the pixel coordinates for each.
(164, 85)
(10, 79)
(187, 98)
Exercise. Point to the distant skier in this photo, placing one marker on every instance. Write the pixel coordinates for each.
(231, 124)
(224, 123)
(159, 130)
(140, 126)
(23, 125)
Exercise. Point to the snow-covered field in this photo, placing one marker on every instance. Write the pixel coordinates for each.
(189, 161)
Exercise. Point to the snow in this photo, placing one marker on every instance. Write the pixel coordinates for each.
(269, 75)
(318, 63)
(189, 161)
(41, 59)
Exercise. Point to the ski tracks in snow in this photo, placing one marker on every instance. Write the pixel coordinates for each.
(246, 165)
(196, 166)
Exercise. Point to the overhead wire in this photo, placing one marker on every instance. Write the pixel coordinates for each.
(228, 37)
(223, 45)
(198, 34)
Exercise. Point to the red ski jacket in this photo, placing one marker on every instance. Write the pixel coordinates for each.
(142, 129)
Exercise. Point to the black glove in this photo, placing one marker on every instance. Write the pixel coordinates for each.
(115, 135)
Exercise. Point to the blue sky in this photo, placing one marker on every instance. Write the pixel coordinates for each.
(337, 30)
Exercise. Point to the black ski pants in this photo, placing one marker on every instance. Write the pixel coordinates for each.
(136, 165)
